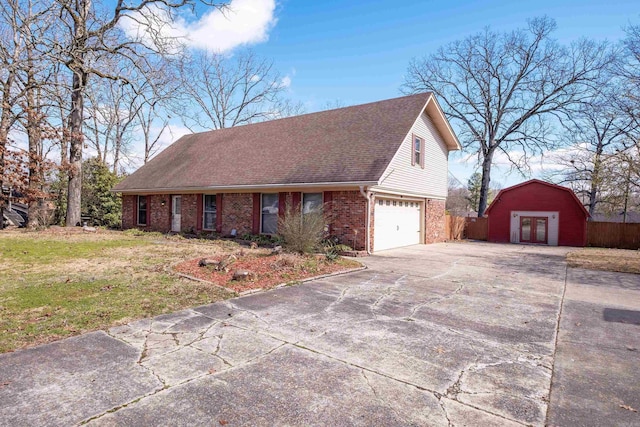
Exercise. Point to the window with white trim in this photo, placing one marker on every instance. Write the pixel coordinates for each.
(269, 213)
(142, 210)
(209, 212)
(311, 202)
(418, 146)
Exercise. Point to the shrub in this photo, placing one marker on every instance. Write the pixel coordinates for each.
(301, 233)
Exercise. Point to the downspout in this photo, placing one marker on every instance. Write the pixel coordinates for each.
(367, 195)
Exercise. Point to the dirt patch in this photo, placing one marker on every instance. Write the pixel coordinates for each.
(268, 270)
(619, 260)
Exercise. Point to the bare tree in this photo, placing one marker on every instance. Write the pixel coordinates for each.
(11, 58)
(598, 131)
(113, 112)
(232, 90)
(504, 90)
(93, 33)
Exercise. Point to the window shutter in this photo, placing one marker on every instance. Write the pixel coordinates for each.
(199, 210)
(255, 226)
(148, 224)
(296, 199)
(327, 199)
(136, 205)
(282, 201)
(219, 213)
(422, 153)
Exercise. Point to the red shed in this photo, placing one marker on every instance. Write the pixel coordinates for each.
(538, 212)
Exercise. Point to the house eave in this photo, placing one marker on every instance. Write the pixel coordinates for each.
(245, 188)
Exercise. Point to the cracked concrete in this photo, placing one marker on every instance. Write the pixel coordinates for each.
(438, 335)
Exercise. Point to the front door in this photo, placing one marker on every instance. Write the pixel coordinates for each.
(533, 229)
(176, 208)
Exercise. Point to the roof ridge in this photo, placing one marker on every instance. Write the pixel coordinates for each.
(366, 104)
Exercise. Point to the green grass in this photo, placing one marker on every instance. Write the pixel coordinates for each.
(53, 286)
(42, 251)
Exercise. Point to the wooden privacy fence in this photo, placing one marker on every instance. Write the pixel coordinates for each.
(458, 227)
(599, 234)
(613, 235)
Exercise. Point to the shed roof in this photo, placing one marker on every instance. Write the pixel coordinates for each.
(345, 145)
(537, 181)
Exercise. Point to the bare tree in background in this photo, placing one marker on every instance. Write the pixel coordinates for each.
(113, 112)
(232, 90)
(598, 131)
(503, 90)
(92, 32)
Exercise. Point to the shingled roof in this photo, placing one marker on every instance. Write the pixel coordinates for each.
(346, 145)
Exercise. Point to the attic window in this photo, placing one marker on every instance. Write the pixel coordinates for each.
(418, 151)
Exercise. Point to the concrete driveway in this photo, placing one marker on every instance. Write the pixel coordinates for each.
(446, 334)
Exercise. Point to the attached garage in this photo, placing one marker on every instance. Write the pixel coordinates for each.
(537, 212)
(397, 223)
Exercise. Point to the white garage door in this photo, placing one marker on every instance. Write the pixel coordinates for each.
(397, 223)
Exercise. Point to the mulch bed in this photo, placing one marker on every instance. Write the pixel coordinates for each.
(270, 270)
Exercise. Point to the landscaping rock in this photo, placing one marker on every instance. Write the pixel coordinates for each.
(276, 250)
(253, 245)
(89, 229)
(204, 262)
(244, 275)
(225, 263)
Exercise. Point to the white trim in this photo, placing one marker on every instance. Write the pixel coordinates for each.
(391, 192)
(277, 214)
(243, 188)
(146, 210)
(203, 211)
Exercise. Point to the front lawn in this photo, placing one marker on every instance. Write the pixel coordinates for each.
(622, 260)
(59, 283)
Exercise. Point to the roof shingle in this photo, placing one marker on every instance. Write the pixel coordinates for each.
(352, 144)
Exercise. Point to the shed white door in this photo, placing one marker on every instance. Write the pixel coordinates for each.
(176, 213)
(396, 224)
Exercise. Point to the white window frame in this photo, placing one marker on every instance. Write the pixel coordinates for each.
(146, 210)
(417, 154)
(302, 202)
(262, 212)
(204, 211)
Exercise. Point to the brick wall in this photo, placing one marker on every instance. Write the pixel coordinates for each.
(434, 218)
(237, 212)
(189, 221)
(159, 215)
(128, 211)
(348, 218)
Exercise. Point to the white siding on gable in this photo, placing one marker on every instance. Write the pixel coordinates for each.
(404, 177)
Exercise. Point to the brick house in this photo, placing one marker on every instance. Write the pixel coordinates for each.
(380, 169)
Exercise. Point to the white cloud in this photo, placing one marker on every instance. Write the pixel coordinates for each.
(285, 82)
(242, 22)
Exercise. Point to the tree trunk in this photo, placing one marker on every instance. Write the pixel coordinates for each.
(76, 140)
(486, 179)
(36, 179)
(4, 135)
(595, 181)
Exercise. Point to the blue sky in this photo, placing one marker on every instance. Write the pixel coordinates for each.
(357, 51)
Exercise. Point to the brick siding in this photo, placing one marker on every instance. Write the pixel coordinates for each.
(189, 221)
(434, 218)
(237, 213)
(128, 211)
(347, 214)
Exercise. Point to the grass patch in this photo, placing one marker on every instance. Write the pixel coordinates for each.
(54, 285)
(620, 260)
